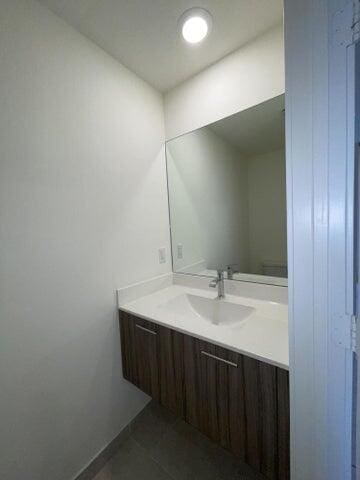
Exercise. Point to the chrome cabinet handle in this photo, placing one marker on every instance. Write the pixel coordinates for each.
(140, 327)
(232, 364)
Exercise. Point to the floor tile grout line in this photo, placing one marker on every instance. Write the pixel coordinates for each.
(206, 461)
(170, 428)
(161, 436)
(253, 475)
(149, 455)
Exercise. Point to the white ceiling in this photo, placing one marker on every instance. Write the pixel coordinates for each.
(258, 130)
(144, 36)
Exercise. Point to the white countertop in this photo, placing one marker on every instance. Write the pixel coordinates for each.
(264, 335)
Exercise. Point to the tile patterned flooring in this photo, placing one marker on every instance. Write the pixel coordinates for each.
(163, 447)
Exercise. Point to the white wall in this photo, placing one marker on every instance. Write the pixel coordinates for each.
(208, 199)
(83, 209)
(267, 209)
(247, 77)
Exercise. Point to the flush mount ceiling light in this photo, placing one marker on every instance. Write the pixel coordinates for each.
(195, 24)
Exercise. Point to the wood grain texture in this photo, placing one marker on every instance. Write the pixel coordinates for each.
(268, 420)
(220, 397)
(243, 406)
(283, 424)
(192, 380)
(252, 412)
(140, 354)
(172, 386)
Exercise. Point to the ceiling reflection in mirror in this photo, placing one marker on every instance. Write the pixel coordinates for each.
(227, 197)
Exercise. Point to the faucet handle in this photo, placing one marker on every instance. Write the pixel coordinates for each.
(219, 278)
(214, 282)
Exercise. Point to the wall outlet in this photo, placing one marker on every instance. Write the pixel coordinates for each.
(179, 250)
(162, 255)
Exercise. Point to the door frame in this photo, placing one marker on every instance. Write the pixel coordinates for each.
(320, 190)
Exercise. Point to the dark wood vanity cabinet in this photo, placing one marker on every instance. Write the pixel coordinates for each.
(172, 370)
(214, 391)
(140, 354)
(240, 403)
(153, 360)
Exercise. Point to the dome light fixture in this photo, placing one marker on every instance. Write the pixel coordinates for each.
(195, 25)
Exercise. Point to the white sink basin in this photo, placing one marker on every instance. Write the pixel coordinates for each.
(215, 311)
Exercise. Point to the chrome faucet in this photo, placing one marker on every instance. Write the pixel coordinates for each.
(230, 271)
(219, 283)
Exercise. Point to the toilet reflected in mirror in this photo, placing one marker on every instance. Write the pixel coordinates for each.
(227, 196)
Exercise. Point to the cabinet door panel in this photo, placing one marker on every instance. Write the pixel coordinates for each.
(261, 416)
(268, 419)
(214, 394)
(192, 379)
(252, 412)
(139, 341)
(237, 418)
(283, 424)
(127, 350)
(172, 387)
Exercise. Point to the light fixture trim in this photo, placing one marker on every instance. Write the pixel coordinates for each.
(195, 25)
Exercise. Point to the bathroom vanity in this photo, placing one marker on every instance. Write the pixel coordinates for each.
(221, 365)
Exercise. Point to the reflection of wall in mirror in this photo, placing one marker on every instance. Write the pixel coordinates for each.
(208, 202)
(226, 208)
(267, 213)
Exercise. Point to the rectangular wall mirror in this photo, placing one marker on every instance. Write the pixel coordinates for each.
(227, 197)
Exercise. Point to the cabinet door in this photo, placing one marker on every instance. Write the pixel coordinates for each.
(172, 386)
(215, 394)
(261, 413)
(140, 353)
(240, 403)
(283, 424)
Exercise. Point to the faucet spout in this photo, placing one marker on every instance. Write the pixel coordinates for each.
(219, 283)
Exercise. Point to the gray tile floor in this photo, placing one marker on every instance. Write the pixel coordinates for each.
(162, 447)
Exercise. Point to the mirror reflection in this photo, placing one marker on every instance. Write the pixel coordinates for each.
(227, 196)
